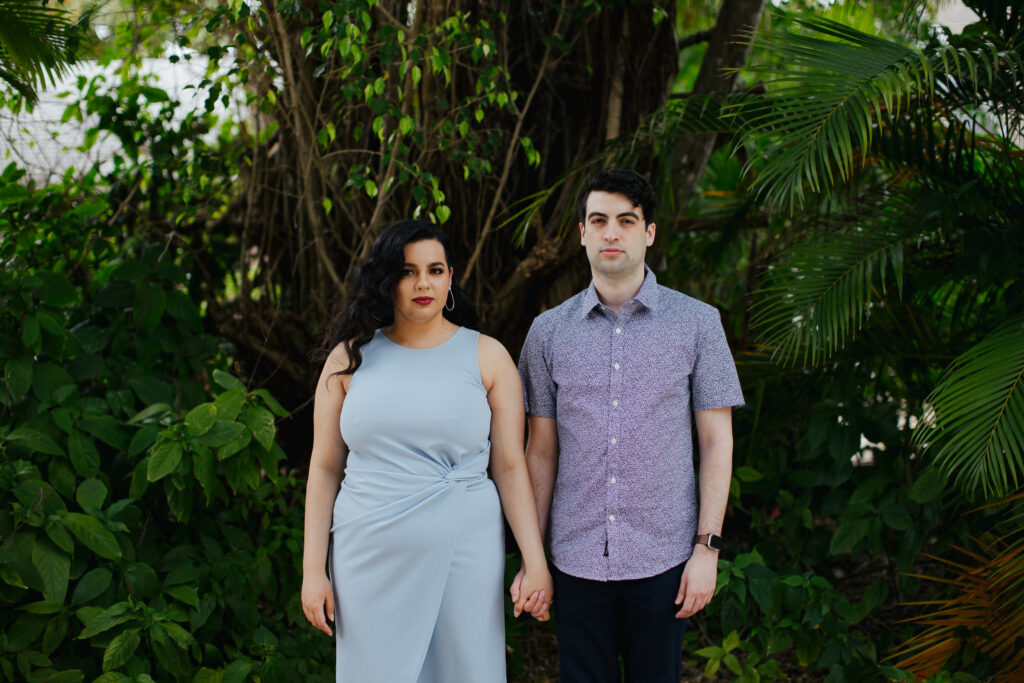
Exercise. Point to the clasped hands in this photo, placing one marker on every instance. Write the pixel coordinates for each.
(532, 592)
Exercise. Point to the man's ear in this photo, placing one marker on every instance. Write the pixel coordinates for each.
(583, 234)
(651, 228)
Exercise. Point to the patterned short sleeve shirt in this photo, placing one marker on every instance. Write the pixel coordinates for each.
(623, 389)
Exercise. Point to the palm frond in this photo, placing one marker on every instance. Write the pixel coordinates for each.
(983, 608)
(975, 430)
(35, 42)
(819, 293)
(823, 109)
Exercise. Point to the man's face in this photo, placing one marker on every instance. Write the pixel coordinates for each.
(615, 234)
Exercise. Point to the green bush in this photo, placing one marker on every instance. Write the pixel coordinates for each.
(147, 530)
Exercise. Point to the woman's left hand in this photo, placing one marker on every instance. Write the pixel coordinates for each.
(533, 591)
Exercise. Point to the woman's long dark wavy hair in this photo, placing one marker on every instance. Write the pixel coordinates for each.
(370, 304)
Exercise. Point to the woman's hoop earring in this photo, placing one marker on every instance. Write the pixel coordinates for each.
(452, 295)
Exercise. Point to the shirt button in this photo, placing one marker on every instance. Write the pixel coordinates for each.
(618, 330)
(612, 480)
(615, 403)
(616, 366)
(613, 440)
(611, 518)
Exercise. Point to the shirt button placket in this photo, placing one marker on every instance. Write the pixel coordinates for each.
(615, 386)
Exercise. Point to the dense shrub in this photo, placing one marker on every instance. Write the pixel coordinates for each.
(147, 530)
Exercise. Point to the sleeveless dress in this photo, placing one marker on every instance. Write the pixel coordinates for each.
(418, 553)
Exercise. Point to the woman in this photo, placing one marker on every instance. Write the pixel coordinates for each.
(418, 554)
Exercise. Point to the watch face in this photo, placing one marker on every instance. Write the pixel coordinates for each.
(714, 542)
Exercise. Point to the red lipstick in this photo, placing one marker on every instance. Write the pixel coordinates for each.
(423, 300)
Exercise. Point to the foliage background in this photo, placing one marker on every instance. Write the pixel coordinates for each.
(848, 194)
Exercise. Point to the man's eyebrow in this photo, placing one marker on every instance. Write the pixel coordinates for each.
(598, 214)
(629, 213)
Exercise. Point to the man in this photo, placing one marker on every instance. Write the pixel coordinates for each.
(613, 377)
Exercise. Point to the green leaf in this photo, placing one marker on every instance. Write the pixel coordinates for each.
(30, 331)
(186, 594)
(104, 620)
(271, 402)
(200, 419)
(143, 439)
(928, 486)
(235, 445)
(106, 429)
(92, 585)
(976, 434)
(35, 440)
(54, 567)
(165, 458)
(55, 290)
(227, 381)
(84, 456)
(91, 495)
(220, 433)
(155, 410)
(847, 534)
(121, 649)
(261, 422)
(91, 532)
(748, 474)
(238, 670)
(229, 404)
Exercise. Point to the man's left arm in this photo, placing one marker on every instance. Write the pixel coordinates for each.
(714, 435)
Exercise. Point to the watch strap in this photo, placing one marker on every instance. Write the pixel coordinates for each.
(712, 541)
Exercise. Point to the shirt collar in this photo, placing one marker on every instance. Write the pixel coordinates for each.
(646, 296)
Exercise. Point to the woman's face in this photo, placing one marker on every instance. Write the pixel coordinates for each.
(422, 288)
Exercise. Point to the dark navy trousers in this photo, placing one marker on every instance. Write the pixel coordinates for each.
(597, 621)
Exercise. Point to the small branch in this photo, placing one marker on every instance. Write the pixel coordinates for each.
(695, 38)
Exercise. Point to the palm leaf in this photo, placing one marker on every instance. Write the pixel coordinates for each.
(975, 429)
(839, 85)
(819, 293)
(35, 44)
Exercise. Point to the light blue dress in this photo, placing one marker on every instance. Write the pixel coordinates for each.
(417, 558)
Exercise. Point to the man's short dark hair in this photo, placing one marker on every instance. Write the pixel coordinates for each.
(621, 181)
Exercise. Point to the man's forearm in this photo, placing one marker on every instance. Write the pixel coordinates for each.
(715, 476)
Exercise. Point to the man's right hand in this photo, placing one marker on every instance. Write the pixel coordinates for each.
(317, 594)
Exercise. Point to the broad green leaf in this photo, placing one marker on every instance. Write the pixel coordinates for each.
(54, 567)
(104, 620)
(55, 290)
(121, 649)
(220, 433)
(271, 402)
(155, 410)
(235, 445)
(186, 594)
(84, 456)
(847, 534)
(229, 404)
(91, 532)
(30, 331)
(35, 440)
(238, 670)
(91, 494)
(199, 420)
(928, 486)
(106, 429)
(261, 422)
(227, 381)
(165, 458)
(92, 585)
(143, 439)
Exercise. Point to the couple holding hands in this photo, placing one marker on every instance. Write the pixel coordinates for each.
(413, 406)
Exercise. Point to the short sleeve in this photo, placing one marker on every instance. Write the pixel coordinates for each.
(714, 382)
(535, 370)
